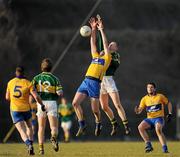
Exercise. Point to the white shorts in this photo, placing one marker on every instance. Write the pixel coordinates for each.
(51, 109)
(66, 125)
(108, 85)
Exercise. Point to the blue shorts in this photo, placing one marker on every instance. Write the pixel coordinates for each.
(90, 87)
(152, 121)
(20, 116)
(34, 122)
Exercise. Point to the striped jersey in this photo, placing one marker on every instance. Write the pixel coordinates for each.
(47, 86)
(66, 112)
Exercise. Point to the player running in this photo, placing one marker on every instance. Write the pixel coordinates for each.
(154, 104)
(66, 112)
(49, 88)
(108, 88)
(91, 84)
(18, 92)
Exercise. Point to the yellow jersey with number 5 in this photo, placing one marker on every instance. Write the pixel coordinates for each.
(19, 90)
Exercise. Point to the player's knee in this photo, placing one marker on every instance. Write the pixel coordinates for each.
(140, 127)
(75, 104)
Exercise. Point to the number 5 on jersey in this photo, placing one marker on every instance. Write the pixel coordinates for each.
(17, 91)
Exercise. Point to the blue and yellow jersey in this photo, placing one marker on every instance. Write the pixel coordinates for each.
(33, 110)
(98, 66)
(19, 90)
(154, 105)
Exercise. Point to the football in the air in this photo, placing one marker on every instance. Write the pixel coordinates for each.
(85, 31)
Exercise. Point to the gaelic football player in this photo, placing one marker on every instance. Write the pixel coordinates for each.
(18, 92)
(66, 112)
(108, 88)
(49, 88)
(154, 103)
(91, 85)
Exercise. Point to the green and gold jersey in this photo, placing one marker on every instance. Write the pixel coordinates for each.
(47, 86)
(66, 112)
(114, 64)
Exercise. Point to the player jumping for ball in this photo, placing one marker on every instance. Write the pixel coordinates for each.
(108, 88)
(91, 84)
(154, 104)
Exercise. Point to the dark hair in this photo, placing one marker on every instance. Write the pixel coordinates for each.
(20, 70)
(46, 65)
(152, 83)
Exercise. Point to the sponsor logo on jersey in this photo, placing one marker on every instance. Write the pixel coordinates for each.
(99, 61)
(154, 108)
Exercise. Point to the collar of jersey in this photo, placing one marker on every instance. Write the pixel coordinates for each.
(20, 77)
(46, 72)
(152, 95)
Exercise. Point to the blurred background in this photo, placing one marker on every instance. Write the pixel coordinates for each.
(148, 32)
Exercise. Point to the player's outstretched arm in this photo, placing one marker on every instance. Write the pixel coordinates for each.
(138, 110)
(93, 25)
(100, 26)
(38, 99)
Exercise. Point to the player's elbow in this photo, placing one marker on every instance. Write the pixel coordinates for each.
(7, 97)
(59, 93)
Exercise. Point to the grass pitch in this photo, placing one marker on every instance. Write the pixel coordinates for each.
(93, 149)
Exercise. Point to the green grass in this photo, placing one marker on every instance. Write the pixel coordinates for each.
(93, 149)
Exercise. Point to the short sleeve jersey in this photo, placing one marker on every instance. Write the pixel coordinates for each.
(99, 65)
(19, 90)
(154, 105)
(47, 86)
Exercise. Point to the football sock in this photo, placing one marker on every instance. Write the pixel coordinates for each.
(81, 123)
(165, 148)
(66, 135)
(28, 142)
(125, 123)
(113, 121)
(54, 136)
(41, 147)
(31, 142)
